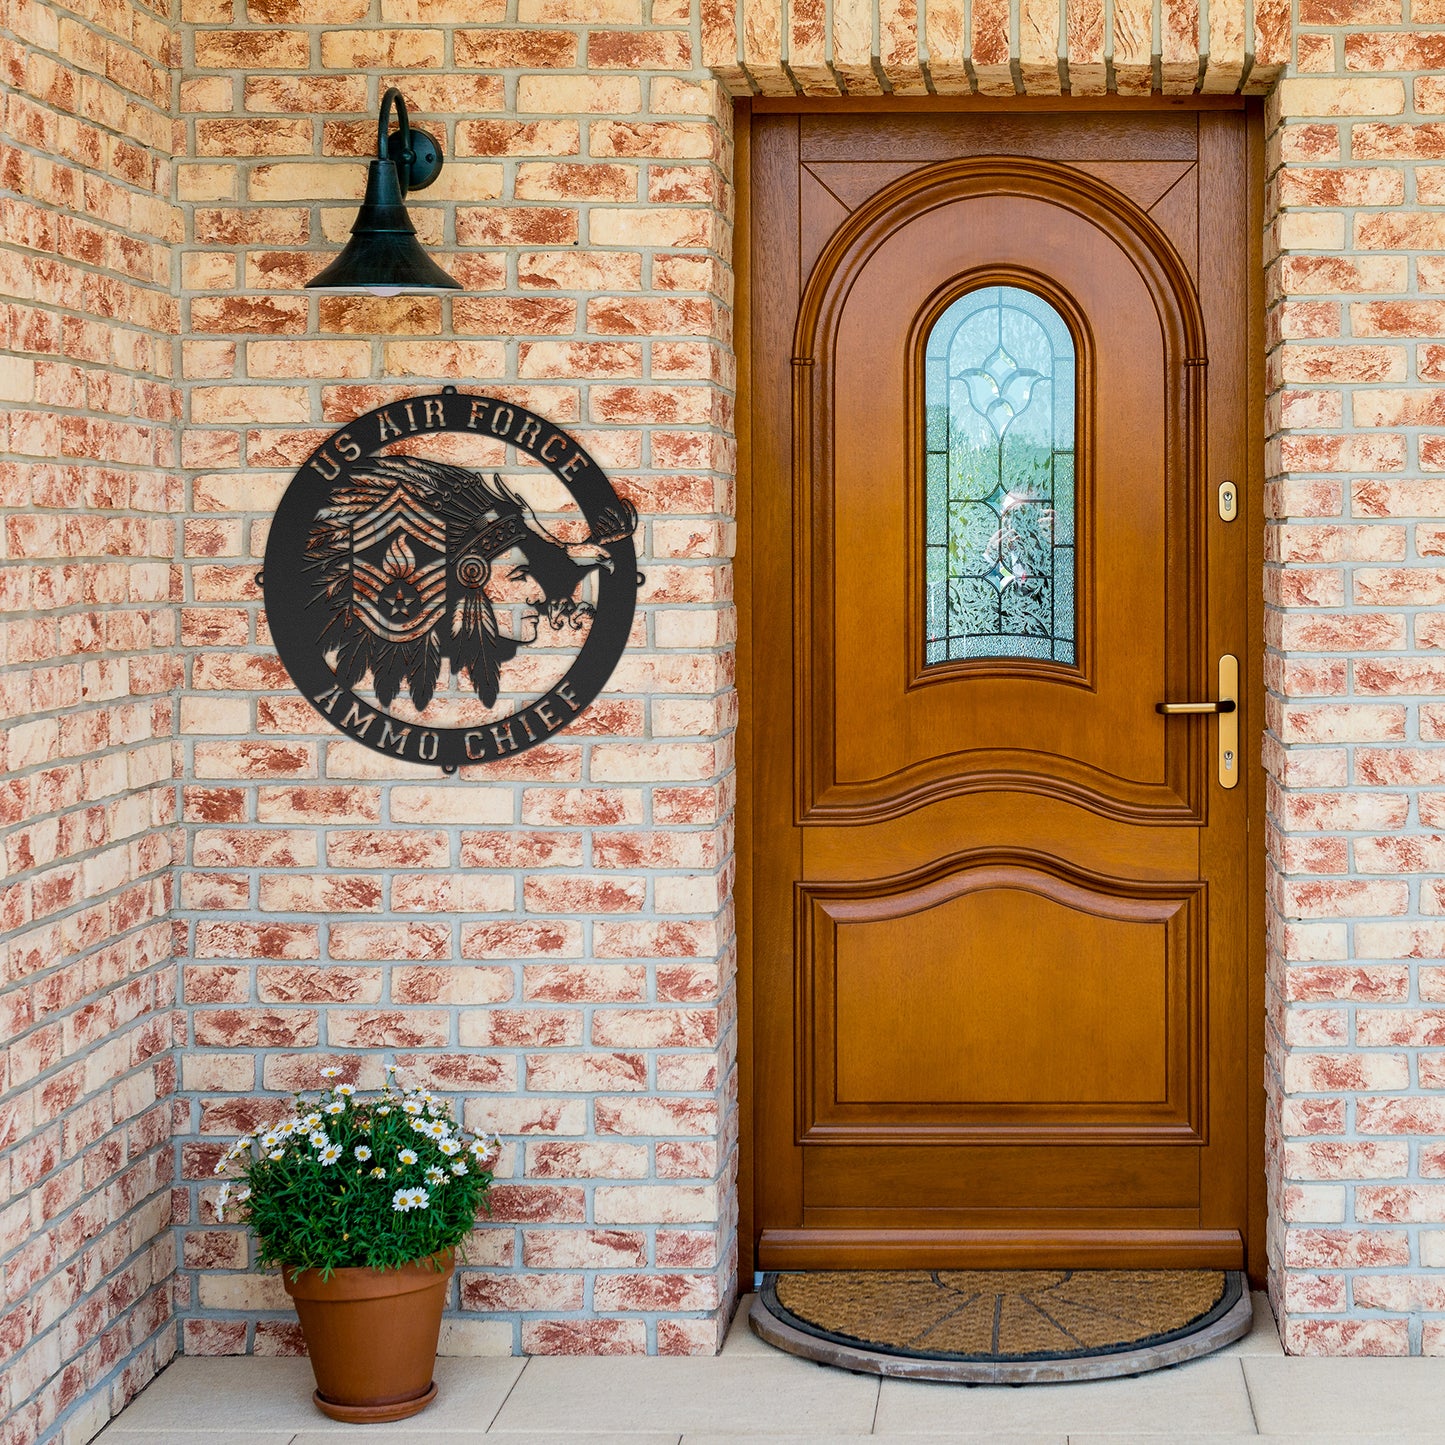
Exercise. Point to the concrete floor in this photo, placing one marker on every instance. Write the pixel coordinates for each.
(1242, 1393)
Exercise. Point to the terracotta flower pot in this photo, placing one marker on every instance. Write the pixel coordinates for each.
(372, 1336)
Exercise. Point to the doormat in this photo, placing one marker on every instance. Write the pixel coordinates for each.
(999, 1326)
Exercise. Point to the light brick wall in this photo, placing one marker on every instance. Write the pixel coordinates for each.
(549, 938)
(89, 497)
(1354, 582)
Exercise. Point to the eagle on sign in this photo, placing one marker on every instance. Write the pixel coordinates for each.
(401, 556)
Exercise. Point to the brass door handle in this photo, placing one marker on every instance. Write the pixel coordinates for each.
(1226, 707)
(1173, 709)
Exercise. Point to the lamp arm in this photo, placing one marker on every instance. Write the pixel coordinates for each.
(393, 97)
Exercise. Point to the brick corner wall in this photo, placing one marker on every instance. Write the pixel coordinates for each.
(90, 499)
(1355, 231)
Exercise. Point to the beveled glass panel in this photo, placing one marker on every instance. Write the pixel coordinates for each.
(999, 380)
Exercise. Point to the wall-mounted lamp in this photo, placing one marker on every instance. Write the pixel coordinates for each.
(383, 255)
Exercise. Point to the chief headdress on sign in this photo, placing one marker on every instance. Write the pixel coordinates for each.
(402, 554)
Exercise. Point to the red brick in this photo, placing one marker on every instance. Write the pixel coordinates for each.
(584, 1337)
(519, 1028)
(521, 940)
(389, 941)
(664, 1292)
(257, 940)
(634, 50)
(536, 1204)
(584, 983)
(608, 1249)
(255, 1028)
(521, 1292)
(1345, 1248)
(508, 226)
(516, 49)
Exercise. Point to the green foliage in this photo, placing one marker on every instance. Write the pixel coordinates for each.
(349, 1180)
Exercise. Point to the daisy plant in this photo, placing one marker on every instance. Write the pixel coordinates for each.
(349, 1180)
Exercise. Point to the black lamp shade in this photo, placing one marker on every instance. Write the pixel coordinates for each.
(383, 255)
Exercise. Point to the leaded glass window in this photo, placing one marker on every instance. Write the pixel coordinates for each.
(1000, 395)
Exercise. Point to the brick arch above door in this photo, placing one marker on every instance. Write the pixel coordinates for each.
(996, 47)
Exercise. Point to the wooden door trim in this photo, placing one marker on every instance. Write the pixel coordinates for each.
(1004, 1249)
(1253, 518)
(742, 580)
(984, 104)
(747, 295)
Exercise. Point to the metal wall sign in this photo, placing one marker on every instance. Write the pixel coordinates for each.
(423, 606)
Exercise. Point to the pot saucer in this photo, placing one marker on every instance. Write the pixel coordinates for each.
(375, 1414)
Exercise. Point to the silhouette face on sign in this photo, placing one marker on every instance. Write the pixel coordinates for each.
(422, 561)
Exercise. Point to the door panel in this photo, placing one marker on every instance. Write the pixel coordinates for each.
(1000, 968)
(1019, 1035)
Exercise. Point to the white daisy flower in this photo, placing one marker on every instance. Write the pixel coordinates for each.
(378, 1172)
(331, 1154)
(242, 1195)
(392, 1068)
(450, 1146)
(277, 1154)
(437, 1129)
(345, 1090)
(311, 1120)
(362, 1152)
(385, 1109)
(289, 1127)
(412, 1106)
(419, 1125)
(435, 1176)
(270, 1140)
(331, 1073)
(220, 1166)
(407, 1199)
(319, 1139)
(459, 1167)
(407, 1156)
(336, 1106)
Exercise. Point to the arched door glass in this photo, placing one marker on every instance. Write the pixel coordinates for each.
(1000, 396)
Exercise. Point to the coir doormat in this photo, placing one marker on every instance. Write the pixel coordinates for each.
(985, 1326)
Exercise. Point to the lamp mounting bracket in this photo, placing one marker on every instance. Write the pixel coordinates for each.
(426, 158)
(417, 157)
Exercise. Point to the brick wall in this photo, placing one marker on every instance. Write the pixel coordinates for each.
(550, 938)
(1357, 771)
(89, 497)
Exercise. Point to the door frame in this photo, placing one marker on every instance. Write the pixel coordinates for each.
(1252, 515)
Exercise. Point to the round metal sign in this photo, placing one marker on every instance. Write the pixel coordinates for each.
(434, 609)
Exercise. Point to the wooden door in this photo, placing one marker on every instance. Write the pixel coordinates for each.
(1000, 928)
